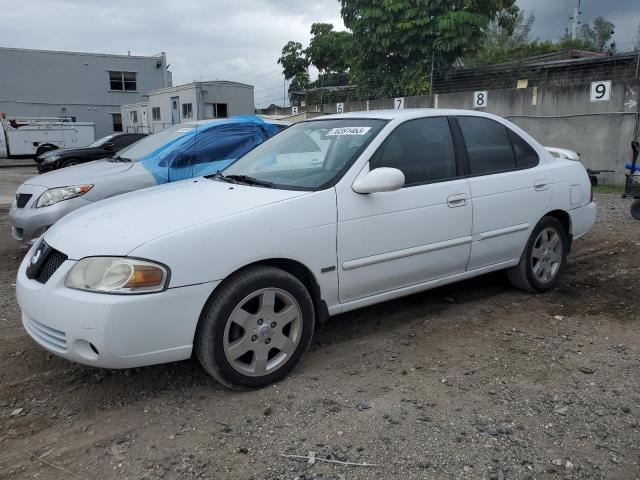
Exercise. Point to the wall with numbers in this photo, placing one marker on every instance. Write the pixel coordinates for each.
(599, 120)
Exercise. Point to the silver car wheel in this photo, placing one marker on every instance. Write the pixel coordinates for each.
(546, 256)
(262, 332)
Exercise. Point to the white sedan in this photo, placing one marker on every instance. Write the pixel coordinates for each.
(327, 216)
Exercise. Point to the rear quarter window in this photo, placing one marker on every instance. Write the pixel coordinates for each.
(526, 156)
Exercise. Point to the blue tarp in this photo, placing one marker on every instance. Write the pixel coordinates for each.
(207, 148)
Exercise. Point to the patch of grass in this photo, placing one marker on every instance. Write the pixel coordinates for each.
(618, 189)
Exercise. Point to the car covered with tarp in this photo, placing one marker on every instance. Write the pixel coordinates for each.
(180, 152)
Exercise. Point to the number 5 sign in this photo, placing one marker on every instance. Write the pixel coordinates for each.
(480, 99)
(601, 91)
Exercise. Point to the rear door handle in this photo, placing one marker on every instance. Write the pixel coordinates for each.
(540, 185)
(459, 200)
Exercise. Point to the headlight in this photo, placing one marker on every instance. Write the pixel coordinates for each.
(117, 275)
(52, 158)
(55, 195)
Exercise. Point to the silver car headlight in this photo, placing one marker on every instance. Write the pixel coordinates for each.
(52, 158)
(55, 195)
(117, 275)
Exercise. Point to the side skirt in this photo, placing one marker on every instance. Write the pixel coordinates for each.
(420, 287)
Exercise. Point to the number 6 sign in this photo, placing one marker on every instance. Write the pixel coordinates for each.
(480, 99)
(601, 91)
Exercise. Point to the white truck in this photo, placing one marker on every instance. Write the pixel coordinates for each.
(32, 136)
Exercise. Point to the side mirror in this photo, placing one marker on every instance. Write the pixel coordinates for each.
(381, 179)
(109, 146)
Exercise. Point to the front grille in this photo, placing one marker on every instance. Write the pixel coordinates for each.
(49, 337)
(22, 199)
(50, 265)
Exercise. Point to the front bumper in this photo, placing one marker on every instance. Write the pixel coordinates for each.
(110, 331)
(28, 223)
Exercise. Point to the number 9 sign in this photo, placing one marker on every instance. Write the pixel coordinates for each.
(601, 91)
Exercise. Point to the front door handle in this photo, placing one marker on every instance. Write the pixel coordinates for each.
(459, 200)
(540, 185)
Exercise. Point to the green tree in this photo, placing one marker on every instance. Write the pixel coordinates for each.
(293, 60)
(396, 40)
(329, 51)
(599, 34)
(298, 85)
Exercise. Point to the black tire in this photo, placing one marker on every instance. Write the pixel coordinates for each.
(70, 162)
(209, 338)
(635, 209)
(522, 275)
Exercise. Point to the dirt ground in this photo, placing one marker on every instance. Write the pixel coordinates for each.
(474, 380)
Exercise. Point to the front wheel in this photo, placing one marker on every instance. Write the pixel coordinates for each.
(71, 162)
(543, 257)
(255, 328)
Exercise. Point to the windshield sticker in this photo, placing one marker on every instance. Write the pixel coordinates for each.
(184, 130)
(349, 131)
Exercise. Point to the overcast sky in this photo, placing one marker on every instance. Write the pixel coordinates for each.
(230, 40)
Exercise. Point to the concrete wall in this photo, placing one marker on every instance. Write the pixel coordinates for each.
(556, 116)
(38, 83)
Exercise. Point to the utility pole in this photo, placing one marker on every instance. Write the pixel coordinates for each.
(574, 21)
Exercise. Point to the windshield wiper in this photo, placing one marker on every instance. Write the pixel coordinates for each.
(118, 158)
(219, 176)
(251, 181)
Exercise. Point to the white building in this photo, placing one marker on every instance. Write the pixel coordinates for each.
(193, 101)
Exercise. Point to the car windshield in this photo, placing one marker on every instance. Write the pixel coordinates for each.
(306, 156)
(151, 143)
(97, 143)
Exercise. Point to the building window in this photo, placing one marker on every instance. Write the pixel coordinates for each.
(123, 81)
(117, 122)
(134, 116)
(155, 114)
(215, 110)
(187, 110)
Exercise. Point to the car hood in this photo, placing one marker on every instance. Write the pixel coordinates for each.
(64, 151)
(90, 172)
(118, 225)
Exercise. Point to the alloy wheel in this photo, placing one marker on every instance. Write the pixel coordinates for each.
(262, 332)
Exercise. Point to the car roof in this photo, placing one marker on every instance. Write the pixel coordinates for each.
(213, 121)
(409, 113)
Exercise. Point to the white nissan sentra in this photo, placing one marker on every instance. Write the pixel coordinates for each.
(327, 216)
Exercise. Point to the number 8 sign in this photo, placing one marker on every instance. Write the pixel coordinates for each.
(601, 91)
(480, 99)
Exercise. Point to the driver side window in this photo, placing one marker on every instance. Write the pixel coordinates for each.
(422, 149)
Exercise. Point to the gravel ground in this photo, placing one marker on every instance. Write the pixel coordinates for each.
(474, 380)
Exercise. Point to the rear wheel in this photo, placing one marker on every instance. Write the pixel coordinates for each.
(255, 329)
(543, 257)
(635, 209)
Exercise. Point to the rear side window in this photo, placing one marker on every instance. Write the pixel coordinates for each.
(488, 145)
(526, 156)
(422, 149)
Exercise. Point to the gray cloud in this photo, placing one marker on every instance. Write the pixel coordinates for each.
(233, 40)
(552, 17)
